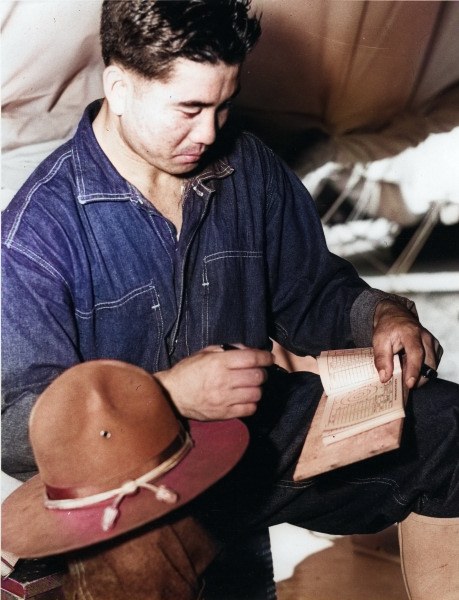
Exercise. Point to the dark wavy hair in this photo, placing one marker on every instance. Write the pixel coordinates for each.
(147, 36)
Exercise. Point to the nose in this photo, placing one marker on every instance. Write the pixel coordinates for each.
(205, 128)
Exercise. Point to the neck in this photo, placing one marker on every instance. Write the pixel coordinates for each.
(161, 189)
(126, 162)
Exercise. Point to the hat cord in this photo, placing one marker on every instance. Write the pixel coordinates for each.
(162, 494)
(110, 514)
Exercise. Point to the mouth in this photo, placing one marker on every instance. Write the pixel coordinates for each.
(189, 157)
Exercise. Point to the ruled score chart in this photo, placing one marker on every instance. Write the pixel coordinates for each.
(357, 400)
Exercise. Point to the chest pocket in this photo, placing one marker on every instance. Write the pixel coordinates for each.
(233, 308)
(130, 329)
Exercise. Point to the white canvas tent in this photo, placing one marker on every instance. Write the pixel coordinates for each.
(364, 94)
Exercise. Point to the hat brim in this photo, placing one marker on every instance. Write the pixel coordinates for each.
(30, 530)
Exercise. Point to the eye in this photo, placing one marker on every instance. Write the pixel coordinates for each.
(191, 112)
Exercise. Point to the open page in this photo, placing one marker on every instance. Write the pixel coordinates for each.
(342, 370)
(363, 404)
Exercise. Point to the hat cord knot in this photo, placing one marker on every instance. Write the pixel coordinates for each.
(129, 487)
(162, 493)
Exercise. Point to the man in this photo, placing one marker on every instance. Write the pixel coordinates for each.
(157, 235)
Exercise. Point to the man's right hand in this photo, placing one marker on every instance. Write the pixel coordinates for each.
(214, 385)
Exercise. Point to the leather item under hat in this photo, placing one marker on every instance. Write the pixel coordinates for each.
(111, 456)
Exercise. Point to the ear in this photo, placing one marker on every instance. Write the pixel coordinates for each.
(115, 81)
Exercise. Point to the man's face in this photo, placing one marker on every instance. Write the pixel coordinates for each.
(168, 125)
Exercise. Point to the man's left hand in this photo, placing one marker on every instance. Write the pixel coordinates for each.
(396, 329)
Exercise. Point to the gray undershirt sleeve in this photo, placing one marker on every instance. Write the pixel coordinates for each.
(363, 310)
(17, 456)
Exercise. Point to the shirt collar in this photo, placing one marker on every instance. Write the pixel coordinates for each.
(98, 180)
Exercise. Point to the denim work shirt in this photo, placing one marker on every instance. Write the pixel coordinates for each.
(91, 270)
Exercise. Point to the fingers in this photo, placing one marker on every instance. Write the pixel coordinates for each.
(418, 346)
(215, 384)
(395, 330)
(422, 360)
(398, 331)
(432, 357)
(434, 352)
(242, 378)
(414, 358)
(239, 411)
(247, 373)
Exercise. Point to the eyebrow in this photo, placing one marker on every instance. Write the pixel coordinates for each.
(198, 104)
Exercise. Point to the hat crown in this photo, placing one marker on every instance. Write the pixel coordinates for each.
(98, 424)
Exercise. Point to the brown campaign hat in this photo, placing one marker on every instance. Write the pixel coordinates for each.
(111, 456)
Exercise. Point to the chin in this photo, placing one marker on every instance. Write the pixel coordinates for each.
(185, 169)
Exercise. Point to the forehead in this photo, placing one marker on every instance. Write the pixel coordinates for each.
(189, 80)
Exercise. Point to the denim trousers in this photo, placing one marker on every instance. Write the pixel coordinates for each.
(421, 476)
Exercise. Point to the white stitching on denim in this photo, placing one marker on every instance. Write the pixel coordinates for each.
(187, 343)
(110, 304)
(295, 485)
(28, 198)
(389, 482)
(160, 326)
(79, 176)
(233, 254)
(246, 254)
(205, 307)
(398, 497)
(171, 232)
(101, 197)
(38, 260)
(282, 329)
